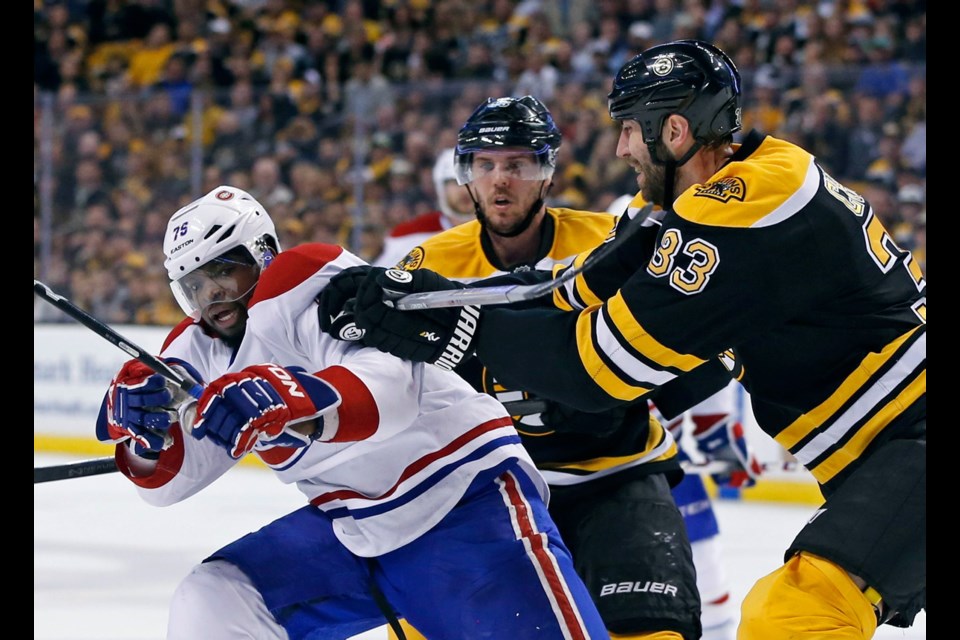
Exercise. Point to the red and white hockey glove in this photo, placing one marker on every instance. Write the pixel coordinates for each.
(259, 404)
(140, 406)
(724, 440)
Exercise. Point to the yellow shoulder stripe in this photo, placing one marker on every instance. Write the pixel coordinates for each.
(776, 181)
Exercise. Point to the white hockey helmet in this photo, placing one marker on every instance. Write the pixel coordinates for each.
(207, 228)
(444, 171)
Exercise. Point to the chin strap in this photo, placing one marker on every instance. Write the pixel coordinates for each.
(670, 168)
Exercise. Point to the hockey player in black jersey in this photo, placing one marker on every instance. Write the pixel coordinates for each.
(762, 252)
(610, 472)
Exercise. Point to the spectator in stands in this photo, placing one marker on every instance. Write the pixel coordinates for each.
(148, 62)
(268, 186)
(93, 50)
(864, 136)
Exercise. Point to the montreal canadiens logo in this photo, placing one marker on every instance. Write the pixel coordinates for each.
(224, 195)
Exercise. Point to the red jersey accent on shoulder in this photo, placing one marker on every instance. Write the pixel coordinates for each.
(291, 267)
(423, 223)
(175, 332)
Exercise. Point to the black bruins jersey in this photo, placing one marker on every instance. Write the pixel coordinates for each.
(638, 441)
(773, 261)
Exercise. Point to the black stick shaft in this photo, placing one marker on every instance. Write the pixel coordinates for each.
(112, 336)
(79, 469)
(99, 466)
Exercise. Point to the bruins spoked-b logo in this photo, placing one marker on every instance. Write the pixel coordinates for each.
(662, 65)
(412, 261)
(723, 190)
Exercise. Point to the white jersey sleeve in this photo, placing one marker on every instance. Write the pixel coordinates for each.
(402, 448)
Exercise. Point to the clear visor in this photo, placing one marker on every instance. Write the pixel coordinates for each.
(516, 165)
(222, 280)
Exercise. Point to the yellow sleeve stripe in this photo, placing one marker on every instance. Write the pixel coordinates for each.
(569, 296)
(616, 352)
(643, 343)
(838, 461)
(805, 424)
(595, 364)
(658, 448)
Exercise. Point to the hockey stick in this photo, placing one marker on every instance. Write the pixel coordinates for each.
(79, 469)
(722, 466)
(97, 466)
(112, 336)
(505, 294)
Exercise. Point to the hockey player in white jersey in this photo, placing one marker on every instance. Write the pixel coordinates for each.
(454, 207)
(418, 489)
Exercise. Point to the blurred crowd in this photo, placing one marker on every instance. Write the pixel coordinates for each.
(331, 112)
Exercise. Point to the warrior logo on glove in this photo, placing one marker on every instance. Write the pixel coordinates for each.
(461, 344)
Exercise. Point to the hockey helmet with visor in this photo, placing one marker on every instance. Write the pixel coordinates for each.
(508, 129)
(216, 247)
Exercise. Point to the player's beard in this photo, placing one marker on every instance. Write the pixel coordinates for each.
(651, 182)
(516, 228)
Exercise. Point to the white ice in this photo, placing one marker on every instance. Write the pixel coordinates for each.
(105, 563)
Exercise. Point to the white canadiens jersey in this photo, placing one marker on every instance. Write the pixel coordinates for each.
(405, 443)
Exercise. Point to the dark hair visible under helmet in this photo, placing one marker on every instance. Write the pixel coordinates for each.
(500, 123)
(688, 77)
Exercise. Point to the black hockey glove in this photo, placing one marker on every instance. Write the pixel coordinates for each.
(565, 419)
(444, 337)
(336, 303)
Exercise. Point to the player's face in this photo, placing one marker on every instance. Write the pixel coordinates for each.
(632, 148)
(459, 199)
(221, 289)
(506, 184)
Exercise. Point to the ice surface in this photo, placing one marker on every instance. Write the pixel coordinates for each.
(105, 563)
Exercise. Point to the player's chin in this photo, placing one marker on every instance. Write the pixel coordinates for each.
(228, 320)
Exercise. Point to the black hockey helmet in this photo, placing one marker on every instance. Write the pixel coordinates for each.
(509, 123)
(691, 78)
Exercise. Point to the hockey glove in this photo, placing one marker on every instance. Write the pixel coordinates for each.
(140, 406)
(259, 404)
(724, 440)
(443, 337)
(337, 301)
(565, 419)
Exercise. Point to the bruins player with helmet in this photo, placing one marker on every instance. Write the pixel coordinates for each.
(761, 251)
(611, 471)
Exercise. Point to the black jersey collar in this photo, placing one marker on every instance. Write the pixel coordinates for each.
(751, 142)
